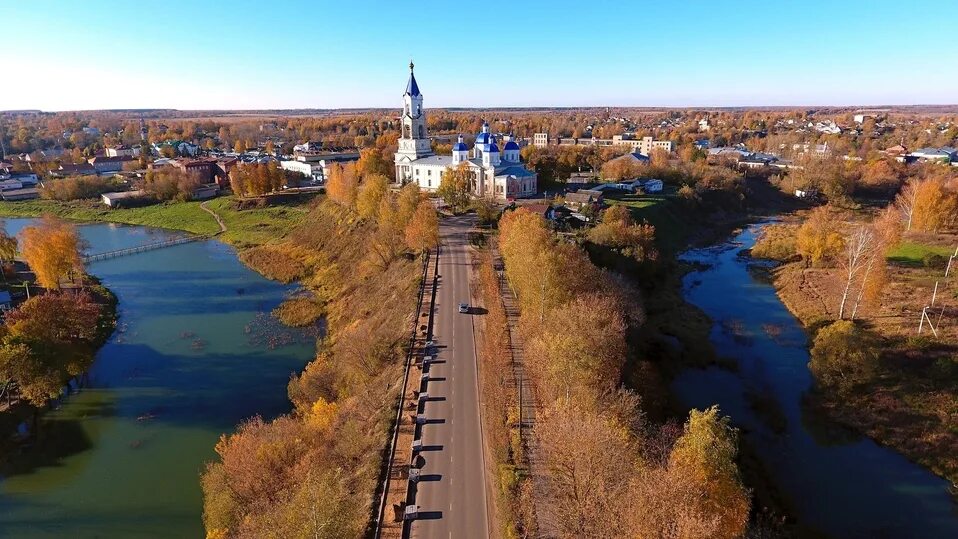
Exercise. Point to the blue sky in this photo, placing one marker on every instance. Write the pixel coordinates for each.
(315, 54)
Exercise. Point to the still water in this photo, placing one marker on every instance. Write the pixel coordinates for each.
(195, 352)
(836, 483)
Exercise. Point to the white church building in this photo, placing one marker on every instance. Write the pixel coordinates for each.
(497, 174)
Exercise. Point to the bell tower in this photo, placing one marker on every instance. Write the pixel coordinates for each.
(413, 142)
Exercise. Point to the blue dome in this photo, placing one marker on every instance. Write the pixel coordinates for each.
(493, 148)
(483, 138)
(511, 145)
(460, 147)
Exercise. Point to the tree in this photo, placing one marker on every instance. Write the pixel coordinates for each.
(617, 231)
(819, 239)
(456, 186)
(52, 250)
(371, 193)
(8, 246)
(422, 232)
(843, 355)
(704, 459)
(342, 186)
(49, 339)
(925, 204)
(372, 162)
(239, 146)
(589, 463)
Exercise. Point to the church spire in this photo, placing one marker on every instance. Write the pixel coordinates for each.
(411, 87)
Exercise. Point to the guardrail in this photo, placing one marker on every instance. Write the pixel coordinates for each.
(397, 423)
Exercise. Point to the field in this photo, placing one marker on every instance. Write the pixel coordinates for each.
(245, 227)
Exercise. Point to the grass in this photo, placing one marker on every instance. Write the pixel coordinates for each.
(911, 253)
(671, 228)
(245, 227)
(186, 216)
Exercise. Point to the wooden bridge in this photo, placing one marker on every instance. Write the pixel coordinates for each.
(142, 248)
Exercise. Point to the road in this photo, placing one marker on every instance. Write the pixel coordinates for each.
(451, 494)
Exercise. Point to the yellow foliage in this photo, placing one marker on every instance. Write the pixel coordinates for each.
(52, 250)
(322, 414)
(819, 239)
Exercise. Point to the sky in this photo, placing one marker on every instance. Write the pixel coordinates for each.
(104, 54)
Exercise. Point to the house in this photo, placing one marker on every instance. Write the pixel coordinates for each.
(6, 301)
(79, 169)
(117, 199)
(106, 165)
(204, 169)
(122, 151)
(584, 198)
(702, 144)
(313, 171)
(27, 193)
(944, 154)
(222, 171)
(308, 147)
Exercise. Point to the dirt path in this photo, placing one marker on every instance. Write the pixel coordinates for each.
(215, 216)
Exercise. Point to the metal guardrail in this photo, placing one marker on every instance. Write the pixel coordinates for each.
(410, 352)
(141, 248)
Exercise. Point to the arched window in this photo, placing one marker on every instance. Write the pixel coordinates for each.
(421, 133)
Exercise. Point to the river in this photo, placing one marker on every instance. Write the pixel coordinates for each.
(195, 352)
(835, 482)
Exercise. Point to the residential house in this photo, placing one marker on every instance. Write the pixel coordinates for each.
(204, 169)
(584, 198)
(107, 165)
(122, 151)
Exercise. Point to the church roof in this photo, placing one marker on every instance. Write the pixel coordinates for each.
(493, 148)
(411, 87)
(511, 145)
(483, 138)
(460, 147)
(518, 171)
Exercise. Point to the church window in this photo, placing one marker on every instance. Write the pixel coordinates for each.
(421, 135)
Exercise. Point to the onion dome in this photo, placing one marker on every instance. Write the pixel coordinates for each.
(460, 146)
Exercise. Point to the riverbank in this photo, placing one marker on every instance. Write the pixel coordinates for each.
(248, 222)
(911, 402)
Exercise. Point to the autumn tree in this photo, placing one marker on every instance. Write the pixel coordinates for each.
(372, 162)
(50, 338)
(371, 193)
(8, 246)
(589, 462)
(703, 459)
(52, 250)
(455, 187)
(343, 184)
(819, 239)
(843, 355)
(422, 232)
(926, 205)
(618, 231)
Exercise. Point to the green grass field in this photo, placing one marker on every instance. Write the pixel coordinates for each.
(245, 228)
(910, 253)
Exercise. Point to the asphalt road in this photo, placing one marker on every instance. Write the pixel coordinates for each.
(451, 494)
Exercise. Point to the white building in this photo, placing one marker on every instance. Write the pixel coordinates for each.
(495, 174)
(314, 171)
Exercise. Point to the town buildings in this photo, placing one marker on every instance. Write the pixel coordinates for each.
(494, 174)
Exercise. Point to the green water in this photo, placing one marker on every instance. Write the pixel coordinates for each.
(195, 353)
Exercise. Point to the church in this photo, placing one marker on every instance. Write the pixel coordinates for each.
(497, 174)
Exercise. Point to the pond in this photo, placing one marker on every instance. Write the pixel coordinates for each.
(835, 482)
(195, 352)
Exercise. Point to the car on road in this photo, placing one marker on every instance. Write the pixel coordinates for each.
(464, 307)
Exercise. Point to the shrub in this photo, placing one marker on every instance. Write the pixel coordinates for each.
(776, 242)
(934, 261)
(76, 188)
(843, 355)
